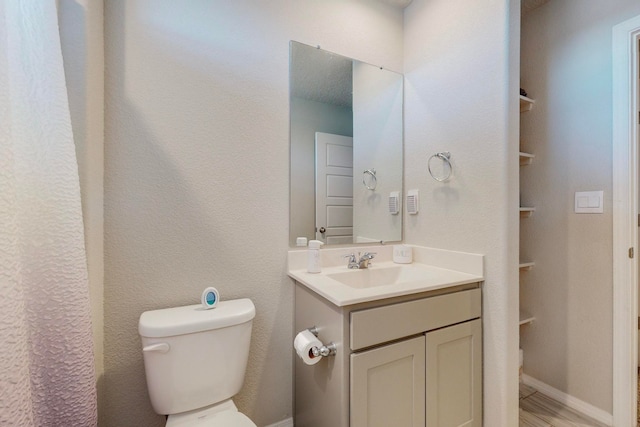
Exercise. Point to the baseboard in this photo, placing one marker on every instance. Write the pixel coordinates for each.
(571, 402)
(284, 423)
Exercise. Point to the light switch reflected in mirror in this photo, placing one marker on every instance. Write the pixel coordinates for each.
(346, 121)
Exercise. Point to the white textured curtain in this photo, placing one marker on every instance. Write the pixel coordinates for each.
(47, 374)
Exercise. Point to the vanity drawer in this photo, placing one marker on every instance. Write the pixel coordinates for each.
(378, 325)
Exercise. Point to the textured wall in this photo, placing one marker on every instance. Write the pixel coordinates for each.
(197, 171)
(566, 67)
(461, 68)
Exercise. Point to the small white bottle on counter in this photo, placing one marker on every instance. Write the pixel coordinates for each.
(313, 264)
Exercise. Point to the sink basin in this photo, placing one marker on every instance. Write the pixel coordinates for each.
(373, 277)
(384, 278)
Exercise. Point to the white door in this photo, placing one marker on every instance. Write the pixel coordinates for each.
(638, 231)
(334, 188)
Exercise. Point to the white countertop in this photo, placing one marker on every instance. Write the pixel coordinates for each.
(437, 269)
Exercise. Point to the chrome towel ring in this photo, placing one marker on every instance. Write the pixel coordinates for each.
(445, 156)
(369, 179)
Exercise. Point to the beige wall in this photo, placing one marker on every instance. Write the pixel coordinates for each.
(197, 171)
(461, 68)
(81, 37)
(566, 67)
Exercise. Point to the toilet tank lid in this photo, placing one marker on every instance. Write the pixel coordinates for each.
(169, 322)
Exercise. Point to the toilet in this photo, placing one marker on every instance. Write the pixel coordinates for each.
(195, 360)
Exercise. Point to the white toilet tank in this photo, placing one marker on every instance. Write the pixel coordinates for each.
(195, 357)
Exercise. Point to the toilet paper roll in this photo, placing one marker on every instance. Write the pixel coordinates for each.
(303, 343)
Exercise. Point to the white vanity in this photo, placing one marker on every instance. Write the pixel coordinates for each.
(408, 339)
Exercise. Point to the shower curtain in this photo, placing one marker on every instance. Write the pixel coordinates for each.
(47, 375)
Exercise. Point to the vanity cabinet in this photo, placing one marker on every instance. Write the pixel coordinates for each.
(388, 385)
(454, 375)
(411, 361)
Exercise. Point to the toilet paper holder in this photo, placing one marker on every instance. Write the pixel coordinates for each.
(326, 350)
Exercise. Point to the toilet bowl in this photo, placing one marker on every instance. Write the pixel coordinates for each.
(195, 360)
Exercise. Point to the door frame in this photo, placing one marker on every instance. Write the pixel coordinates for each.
(625, 220)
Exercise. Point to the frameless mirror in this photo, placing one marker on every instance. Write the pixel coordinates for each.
(346, 149)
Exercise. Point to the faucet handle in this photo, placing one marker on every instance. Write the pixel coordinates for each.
(369, 255)
(353, 262)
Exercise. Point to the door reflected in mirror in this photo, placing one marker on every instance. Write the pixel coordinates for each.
(346, 148)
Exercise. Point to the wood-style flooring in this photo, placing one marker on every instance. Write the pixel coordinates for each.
(538, 410)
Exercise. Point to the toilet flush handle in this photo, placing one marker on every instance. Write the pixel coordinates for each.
(161, 347)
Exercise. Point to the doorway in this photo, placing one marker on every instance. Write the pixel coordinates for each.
(625, 221)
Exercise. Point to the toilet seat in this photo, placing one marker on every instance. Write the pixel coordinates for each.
(221, 415)
(228, 419)
(221, 419)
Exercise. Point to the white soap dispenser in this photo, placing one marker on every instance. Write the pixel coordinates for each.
(313, 264)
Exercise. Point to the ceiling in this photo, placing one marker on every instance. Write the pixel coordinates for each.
(529, 5)
(398, 3)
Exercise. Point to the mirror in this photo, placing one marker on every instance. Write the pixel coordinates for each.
(346, 149)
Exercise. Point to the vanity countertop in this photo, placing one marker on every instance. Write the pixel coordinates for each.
(431, 269)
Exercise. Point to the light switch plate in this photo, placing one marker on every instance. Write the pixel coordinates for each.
(589, 202)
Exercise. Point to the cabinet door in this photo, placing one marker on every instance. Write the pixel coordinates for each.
(387, 385)
(454, 376)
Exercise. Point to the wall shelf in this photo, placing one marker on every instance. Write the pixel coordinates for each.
(526, 158)
(526, 211)
(526, 318)
(526, 104)
(526, 265)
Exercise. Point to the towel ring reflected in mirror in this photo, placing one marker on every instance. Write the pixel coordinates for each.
(369, 179)
(445, 156)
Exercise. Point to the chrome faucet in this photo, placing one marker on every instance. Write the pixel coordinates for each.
(361, 263)
(365, 259)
